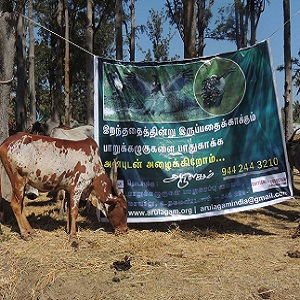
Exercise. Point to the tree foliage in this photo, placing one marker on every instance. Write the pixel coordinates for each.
(155, 32)
(296, 111)
(236, 22)
(46, 51)
(296, 75)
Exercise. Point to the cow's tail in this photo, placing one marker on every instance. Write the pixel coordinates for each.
(1, 199)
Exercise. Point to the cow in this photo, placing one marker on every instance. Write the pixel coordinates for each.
(51, 164)
(75, 134)
(45, 127)
(293, 150)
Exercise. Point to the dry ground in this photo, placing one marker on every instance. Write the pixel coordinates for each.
(249, 255)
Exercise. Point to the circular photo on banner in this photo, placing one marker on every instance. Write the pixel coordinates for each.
(219, 86)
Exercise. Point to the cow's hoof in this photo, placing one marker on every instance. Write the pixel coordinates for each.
(26, 237)
(66, 230)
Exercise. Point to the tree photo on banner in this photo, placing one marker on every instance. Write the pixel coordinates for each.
(183, 132)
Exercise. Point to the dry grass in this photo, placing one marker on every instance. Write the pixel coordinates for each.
(240, 256)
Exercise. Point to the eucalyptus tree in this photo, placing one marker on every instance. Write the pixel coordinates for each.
(9, 12)
(89, 40)
(91, 31)
(68, 110)
(45, 56)
(130, 29)
(21, 89)
(57, 99)
(133, 31)
(155, 32)
(238, 22)
(288, 95)
(296, 76)
(119, 33)
(191, 18)
(296, 111)
(99, 40)
(31, 66)
(189, 28)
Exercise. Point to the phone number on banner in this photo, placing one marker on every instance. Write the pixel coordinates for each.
(250, 166)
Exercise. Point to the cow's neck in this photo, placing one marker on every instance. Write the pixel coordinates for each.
(103, 187)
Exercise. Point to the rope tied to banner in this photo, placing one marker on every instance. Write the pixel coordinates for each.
(56, 34)
(284, 24)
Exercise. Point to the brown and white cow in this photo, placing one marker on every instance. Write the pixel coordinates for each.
(77, 133)
(74, 134)
(293, 150)
(51, 164)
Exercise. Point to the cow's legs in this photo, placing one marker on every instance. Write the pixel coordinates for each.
(61, 200)
(67, 199)
(17, 206)
(72, 216)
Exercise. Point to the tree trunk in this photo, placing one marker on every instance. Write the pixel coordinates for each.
(89, 40)
(177, 22)
(241, 23)
(288, 107)
(31, 59)
(132, 36)
(8, 25)
(189, 28)
(67, 67)
(20, 109)
(7, 55)
(252, 23)
(57, 101)
(204, 16)
(119, 31)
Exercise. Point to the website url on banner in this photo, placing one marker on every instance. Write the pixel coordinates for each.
(160, 212)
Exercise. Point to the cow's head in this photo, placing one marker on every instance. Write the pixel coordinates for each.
(107, 197)
(117, 206)
(117, 213)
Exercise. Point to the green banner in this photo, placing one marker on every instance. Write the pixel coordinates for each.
(193, 138)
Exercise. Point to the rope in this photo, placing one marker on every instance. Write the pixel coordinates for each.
(284, 24)
(45, 28)
(6, 81)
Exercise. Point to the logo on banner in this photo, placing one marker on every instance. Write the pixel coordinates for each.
(219, 86)
(273, 181)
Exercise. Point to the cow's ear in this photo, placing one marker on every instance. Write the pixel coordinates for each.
(114, 177)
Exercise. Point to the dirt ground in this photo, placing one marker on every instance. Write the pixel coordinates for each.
(249, 255)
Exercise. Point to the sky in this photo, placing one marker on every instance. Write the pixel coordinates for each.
(270, 26)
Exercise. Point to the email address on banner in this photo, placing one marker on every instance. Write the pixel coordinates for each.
(160, 212)
(243, 201)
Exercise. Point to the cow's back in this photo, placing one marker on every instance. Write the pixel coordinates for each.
(48, 162)
(78, 133)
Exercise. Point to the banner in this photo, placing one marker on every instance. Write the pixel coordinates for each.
(193, 138)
